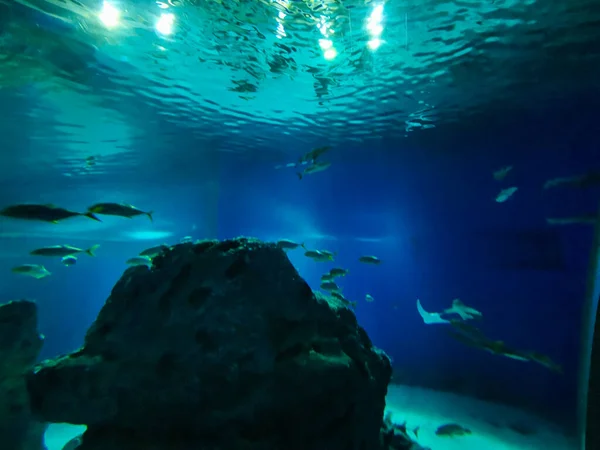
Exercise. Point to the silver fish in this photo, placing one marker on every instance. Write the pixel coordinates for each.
(32, 270)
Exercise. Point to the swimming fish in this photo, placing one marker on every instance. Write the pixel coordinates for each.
(154, 251)
(139, 261)
(473, 337)
(338, 272)
(44, 213)
(452, 430)
(90, 161)
(330, 286)
(314, 168)
(369, 259)
(32, 270)
(286, 244)
(63, 250)
(505, 194)
(118, 209)
(465, 312)
(319, 255)
(311, 157)
(68, 260)
(339, 296)
(500, 174)
(428, 317)
(186, 240)
(369, 298)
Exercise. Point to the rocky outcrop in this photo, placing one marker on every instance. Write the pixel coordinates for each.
(395, 436)
(20, 344)
(219, 345)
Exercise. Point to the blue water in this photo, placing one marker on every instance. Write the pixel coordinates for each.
(431, 218)
(422, 201)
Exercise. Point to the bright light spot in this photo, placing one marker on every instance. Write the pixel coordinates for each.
(109, 15)
(374, 43)
(165, 24)
(330, 54)
(325, 44)
(377, 13)
(375, 28)
(280, 31)
(324, 27)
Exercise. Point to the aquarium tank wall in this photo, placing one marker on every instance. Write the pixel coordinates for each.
(336, 224)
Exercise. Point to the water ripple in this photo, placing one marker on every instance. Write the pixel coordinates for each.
(250, 74)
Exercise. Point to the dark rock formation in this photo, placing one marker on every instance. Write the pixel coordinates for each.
(220, 345)
(20, 344)
(395, 436)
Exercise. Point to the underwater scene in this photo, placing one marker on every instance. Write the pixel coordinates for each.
(299, 224)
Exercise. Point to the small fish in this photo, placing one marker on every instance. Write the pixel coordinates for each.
(314, 168)
(339, 296)
(338, 272)
(319, 255)
(118, 209)
(139, 261)
(286, 244)
(32, 270)
(311, 157)
(68, 260)
(369, 259)
(326, 277)
(186, 240)
(500, 174)
(44, 213)
(63, 250)
(330, 286)
(369, 298)
(505, 194)
(452, 430)
(90, 161)
(465, 312)
(154, 251)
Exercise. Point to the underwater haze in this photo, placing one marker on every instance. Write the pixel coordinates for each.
(444, 153)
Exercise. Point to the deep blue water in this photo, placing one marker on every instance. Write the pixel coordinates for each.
(428, 213)
(424, 205)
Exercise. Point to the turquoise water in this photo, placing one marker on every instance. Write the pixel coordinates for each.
(204, 112)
